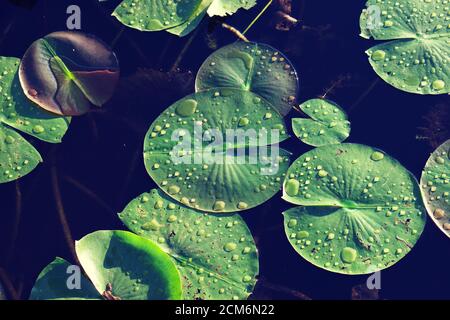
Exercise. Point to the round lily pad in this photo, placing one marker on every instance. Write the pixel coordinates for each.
(215, 254)
(253, 67)
(217, 151)
(68, 73)
(435, 186)
(361, 210)
(128, 266)
(328, 124)
(155, 15)
(417, 58)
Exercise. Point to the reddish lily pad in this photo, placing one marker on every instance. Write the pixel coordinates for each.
(69, 73)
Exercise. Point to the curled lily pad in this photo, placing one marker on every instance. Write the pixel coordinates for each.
(193, 21)
(253, 67)
(217, 150)
(120, 266)
(328, 123)
(361, 210)
(417, 58)
(215, 254)
(68, 73)
(155, 15)
(134, 267)
(18, 157)
(435, 186)
(228, 7)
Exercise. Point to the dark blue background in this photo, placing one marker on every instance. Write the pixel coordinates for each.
(103, 150)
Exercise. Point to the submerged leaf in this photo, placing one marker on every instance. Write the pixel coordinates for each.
(253, 67)
(435, 186)
(228, 7)
(129, 266)
(361, 210)
(328, 123)
(212, 150)
(417, 60)
(68, 73)
(215, 254)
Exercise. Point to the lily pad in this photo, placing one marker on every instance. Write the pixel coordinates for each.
(361, 210)
(417, 58)
(215, 254)
(435, 186)
(253, 67)
(155, 15)
(228, 7)
(328, 124)
(120, 266)
(193, 21)
(69, 73)
(217, 151)
(18, 157)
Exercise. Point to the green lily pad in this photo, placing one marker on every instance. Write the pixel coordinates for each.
(215, 254)
(192, 153)
(136, 268)
(253, 67)
(417, 58)
(328, 124)
(68, 73)
(361, 210)
(18, 157)
(228, 7)
(194, 20)
(435, 186)
(51, 284)
(155, 15)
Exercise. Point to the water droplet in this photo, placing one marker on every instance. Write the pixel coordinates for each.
(174, 190)
(230, 246)
(348, 255)
(219, 205)
(186, 108)
(377, 156)
(38, 129)
(438, 85)
(292, 223)
(242, 205)
(378, 55)
(292, 187)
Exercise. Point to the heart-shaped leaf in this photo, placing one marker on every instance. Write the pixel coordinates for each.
(217, 150)
(18, 157)
(155, 15)
(435, 186)
(417, 58)
(253, 67)
(228, 7)
(215, 254)
(120, 265)
(361, 210)
(328, 123)
(68, 73)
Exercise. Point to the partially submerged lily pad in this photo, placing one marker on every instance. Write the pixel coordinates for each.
(253, 67)
(217, 151)
(215, 254)
(361, 211)
(18, 157)
(120, 266)
(328, 124)
(417, 58)
(68, 73)
(435, 186)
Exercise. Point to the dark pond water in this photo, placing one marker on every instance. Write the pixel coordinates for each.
(102, 151)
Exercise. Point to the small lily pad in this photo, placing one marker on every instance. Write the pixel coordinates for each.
(416, 59)
(68, 73)
(215, 254)
(253, 67)
(435, 186)
(361, 210)
(18, 157)
(120, 266)
(328, 124)
(217, 151)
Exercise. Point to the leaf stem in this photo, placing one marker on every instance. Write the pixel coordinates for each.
(184, 50)
(258, 16)
(61, 212)
(235, 31)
